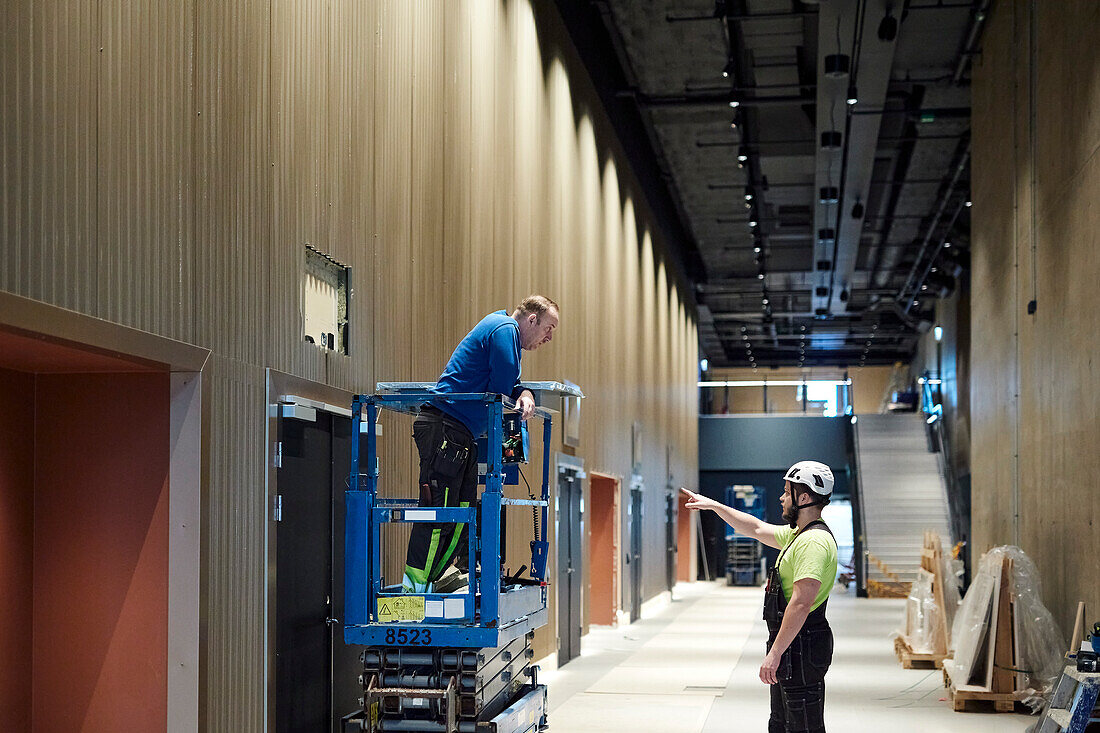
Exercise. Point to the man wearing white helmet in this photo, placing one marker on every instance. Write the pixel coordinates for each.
(800, 642)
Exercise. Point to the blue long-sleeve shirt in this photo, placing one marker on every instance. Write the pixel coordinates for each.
(486, 360)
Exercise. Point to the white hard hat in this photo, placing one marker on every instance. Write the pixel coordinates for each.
(816, 475)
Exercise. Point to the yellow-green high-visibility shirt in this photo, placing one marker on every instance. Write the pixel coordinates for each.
(811, 554)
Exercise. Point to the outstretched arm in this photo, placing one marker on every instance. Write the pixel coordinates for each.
(746, 524)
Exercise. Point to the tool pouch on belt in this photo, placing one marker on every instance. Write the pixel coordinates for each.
(450, 457)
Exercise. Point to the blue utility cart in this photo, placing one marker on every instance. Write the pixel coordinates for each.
(743, 553)
(459, 661)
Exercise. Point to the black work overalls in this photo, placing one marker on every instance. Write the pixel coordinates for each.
(798, 701)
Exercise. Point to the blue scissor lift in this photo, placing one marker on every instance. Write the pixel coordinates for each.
(449, 662)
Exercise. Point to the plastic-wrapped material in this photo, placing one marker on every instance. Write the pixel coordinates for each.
(951, 577)
(921, 616)
(1038, 643)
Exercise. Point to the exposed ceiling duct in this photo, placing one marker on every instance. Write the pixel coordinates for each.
(814, 220)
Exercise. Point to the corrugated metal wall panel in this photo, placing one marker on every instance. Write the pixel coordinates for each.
(16, 62)
(144, 176)
(234, 228)
(351, 127)
(436, 118)
(234, 526)
(64, 75)
(447, 153)
(395, 293)
(300, 114)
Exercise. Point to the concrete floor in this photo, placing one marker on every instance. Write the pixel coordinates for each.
(692, 666)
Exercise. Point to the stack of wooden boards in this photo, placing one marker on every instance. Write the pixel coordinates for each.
(999, 646)
(925, 638)
(984, 666)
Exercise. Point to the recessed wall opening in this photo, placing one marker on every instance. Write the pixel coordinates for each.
(604, 550)
(325, 288)
(84, 539)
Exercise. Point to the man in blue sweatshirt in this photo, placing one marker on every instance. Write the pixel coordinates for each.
(486, 360)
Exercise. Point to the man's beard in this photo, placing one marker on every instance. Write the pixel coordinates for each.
(790, 516)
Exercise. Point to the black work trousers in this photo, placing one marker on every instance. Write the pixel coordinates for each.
(798, 700)
(448, 478)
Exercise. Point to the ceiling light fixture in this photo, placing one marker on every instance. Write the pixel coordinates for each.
(727, 69)
(853, 95)
(829, 194)
(743, 153)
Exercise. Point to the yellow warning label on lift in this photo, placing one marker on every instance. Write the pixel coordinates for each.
(401, 608)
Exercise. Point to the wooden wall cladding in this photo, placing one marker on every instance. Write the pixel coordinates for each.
(164, 167)
(1034, 416)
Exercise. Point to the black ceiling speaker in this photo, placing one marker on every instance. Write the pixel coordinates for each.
(888, 27)
(827, 235)
(831, 140)
(821, 312)
(821, 291)
(829, 194)
(857, 210)
(825, 265)
(837, 65)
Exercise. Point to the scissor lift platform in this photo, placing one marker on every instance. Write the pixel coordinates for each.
(457, 661)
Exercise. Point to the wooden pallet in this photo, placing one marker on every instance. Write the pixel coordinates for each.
(999, 650)
(972, 697)
(910, 659)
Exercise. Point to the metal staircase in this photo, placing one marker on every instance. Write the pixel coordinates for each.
(901, 491)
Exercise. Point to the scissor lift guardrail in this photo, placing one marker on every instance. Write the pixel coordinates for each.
(486, 615)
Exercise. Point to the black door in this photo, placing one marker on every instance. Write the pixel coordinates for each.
(670, 540)
(315, 673)
(570, 531)
(635, 553)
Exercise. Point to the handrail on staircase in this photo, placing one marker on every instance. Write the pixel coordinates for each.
(859, 550)
(940, 443)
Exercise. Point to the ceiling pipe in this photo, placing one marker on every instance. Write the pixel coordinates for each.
(712, 100)
(960, 166)
(852, 173)
(977, 21)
